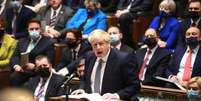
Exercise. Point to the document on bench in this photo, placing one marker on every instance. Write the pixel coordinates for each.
(171, 81)
(24, 58)
(90, 97)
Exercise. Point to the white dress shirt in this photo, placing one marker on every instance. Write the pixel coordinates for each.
(42, 98)
(183, 61)
(149, 58)
(102, 71)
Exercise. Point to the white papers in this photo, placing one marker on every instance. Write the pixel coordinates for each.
(168, 80)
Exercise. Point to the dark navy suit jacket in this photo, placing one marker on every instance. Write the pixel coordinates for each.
(176, 59)
(156, 67)
(53, 89)
(119, 77)
(23, 17)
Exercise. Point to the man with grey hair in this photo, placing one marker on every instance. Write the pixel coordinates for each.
(109, 72)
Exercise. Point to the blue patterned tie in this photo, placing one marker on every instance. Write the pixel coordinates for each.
(98, 77)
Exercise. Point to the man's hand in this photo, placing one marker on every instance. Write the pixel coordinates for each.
(64, 71)
(18, 68)
(78, 91)
(162, 44)
(110, 96)
(174, 78)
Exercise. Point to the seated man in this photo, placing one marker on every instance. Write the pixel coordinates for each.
(46, 84)
(53, 17)
(34, 45)
(116, 36)
(74, 50)
(17, 16)
(186, 62)
(153, 60)
(109, 72)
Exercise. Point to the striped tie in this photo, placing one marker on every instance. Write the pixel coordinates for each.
(40, 91)
(53, 19)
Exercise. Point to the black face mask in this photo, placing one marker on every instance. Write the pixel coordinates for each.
(43, 72)
(2, 32)
(194, 15)
(90, 13)
(71, 43)
(192, 41)
(150, 42)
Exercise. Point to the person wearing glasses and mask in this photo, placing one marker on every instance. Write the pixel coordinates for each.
(75, 49)
(115, 37)
(152, 60)
(167, 25)
(186, 62)
(34, 45)
(194, 88)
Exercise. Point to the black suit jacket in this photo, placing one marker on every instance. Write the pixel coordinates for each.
(44, 47)
(119, 77)
(23, 17)
(109, 6)
(67, 58)
(176, 60)
(53, 89)
(156, 67)
(141, 6)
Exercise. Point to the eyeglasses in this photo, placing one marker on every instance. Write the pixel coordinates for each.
(31, 29)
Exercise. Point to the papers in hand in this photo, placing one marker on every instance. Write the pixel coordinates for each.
(24, 58)
(171, 81)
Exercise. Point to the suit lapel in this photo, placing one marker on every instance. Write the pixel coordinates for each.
(197, 63)
(48, 16)
(60, 14)
(154, 57)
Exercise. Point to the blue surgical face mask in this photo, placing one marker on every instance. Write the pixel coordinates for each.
(34, 34)
(114, 39)
(193, 94)
(164, 14)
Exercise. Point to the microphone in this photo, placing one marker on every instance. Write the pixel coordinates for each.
(69, 78)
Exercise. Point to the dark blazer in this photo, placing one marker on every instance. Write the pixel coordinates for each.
(156, 67)
(44, 47)
(23, 17)
(66, 57)
(64, 14)
(185, 24)
(126, 48)
(141, 6)
(53, 89)
(176, 59)
(119, 77)
(109, 6)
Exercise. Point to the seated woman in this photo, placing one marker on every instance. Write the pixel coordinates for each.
(194, 88)
(7, 45)
(88, 19)
(167, 25)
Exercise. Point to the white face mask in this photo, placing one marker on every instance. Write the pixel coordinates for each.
(34, 34)
(115, 39)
